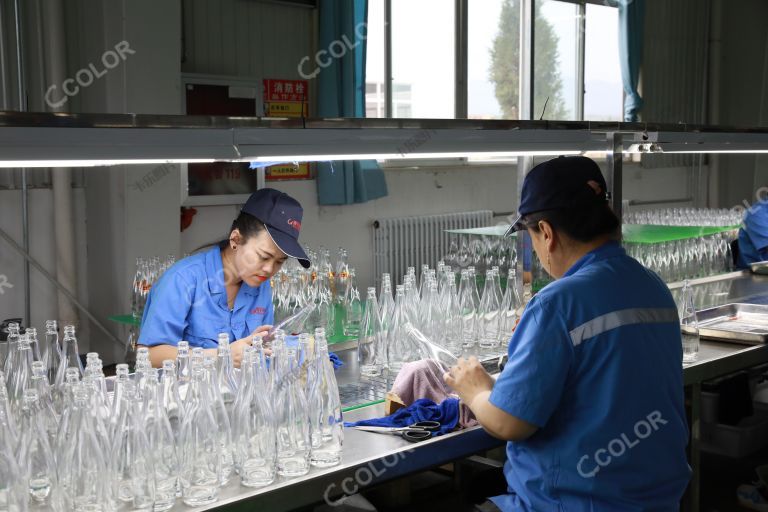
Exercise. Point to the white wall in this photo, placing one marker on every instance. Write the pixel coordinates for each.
(42, 248)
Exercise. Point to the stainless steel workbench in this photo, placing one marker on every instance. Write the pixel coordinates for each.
(370, 458)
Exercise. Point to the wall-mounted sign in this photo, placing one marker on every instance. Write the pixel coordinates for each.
(287, 98)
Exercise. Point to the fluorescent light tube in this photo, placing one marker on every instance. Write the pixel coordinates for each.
(406, 156)
(5, 164)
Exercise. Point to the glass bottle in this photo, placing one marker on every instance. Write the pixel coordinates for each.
(12, 346)
(8, 428)
(386, 302)
(31, 333)
(35, 455)
(399, 349)
(255, 438)
(488, 315)
(292, 419)
(325, 405)
(453, 324)
(162, 442)
(183, 370)
(199, 447)
(341, 277)
(23, 373)
(131, 457)
(467, 310)
(122, 377)
(353, 308)
(69, 356)
(223, 422)
(66, 406)
(171, 398)
(370, 348)
(689, 324)
(82, 466)
(225, 373)
(47, 413)
(13, 487)
(510, 309)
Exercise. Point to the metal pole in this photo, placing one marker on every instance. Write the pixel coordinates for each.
(24, 185)
(614, 178)
(29, 260)
(461, 62)
(388, 107)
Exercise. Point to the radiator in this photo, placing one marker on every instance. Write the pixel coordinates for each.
(399, 243)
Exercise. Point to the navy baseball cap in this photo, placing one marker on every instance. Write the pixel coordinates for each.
(281, 215)
(563, 182)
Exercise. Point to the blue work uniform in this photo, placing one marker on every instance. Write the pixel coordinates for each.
(596, 364)
(189, 302)
(753, 236)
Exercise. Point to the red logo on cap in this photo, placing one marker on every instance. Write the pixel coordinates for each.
(295, 224)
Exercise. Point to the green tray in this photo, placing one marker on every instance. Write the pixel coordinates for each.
(651, 234)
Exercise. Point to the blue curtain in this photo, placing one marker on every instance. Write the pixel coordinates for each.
(341, 93)
(631, 23)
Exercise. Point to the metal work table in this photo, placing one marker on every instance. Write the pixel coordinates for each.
(370, 458)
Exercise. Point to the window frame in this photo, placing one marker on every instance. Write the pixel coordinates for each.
(461, 36)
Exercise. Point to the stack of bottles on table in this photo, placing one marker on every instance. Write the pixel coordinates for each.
(333, 292)
(148, 271)
(451, 318)
(482, 252)
(184, 431)
(689, 258)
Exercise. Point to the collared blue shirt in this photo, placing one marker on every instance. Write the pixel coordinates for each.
(753, 236)
(596, 364)
(189, 302)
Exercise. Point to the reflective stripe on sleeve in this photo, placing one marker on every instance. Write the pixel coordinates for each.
(621, 318)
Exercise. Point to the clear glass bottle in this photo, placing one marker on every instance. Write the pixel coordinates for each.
(689, 324)
(341, 277)
(171, 398)
(511, 305)
(31, 333)
(8, 427)
(122, 377)
(292, 419)
(453, 326)
(370, 347)
(225, 373)
(400, 349)
(354, 308)
(199, 447)
(22, 373)
(325, 405)
(82, 466)
(66, 406)
(35, 455)
(13, 487)
(11, 365)
(255, 436)
(467, 310)
(488, 314)
(69, 356)
(162, 442)
(47, 413)
(223, 422)
(131, 457)
(183, 368)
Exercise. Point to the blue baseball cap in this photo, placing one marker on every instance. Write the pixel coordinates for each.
(281, 215)
(563, 182)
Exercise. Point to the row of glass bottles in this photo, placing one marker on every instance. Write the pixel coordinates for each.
(333, 292)
(148, 271)
(457, 320)
(187, 430)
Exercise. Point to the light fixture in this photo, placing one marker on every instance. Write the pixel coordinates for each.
(9, 164)
(407, 156)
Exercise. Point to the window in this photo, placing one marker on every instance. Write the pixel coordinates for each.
(576, 64)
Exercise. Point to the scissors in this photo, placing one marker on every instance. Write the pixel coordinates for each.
(419, 431)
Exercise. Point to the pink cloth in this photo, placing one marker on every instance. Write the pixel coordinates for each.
(424, 379)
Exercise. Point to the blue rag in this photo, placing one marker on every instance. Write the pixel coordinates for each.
(335, 360)
(423, 409)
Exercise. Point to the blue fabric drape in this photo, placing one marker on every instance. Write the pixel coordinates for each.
(631, 23)
(341, 93)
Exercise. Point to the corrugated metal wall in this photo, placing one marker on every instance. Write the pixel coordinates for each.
(229, 37)
(674, 73)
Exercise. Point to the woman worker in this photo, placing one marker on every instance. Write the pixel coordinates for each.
(591, 400)
(226, 288)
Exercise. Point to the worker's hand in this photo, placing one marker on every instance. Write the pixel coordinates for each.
(468, 378)
(236, 349)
